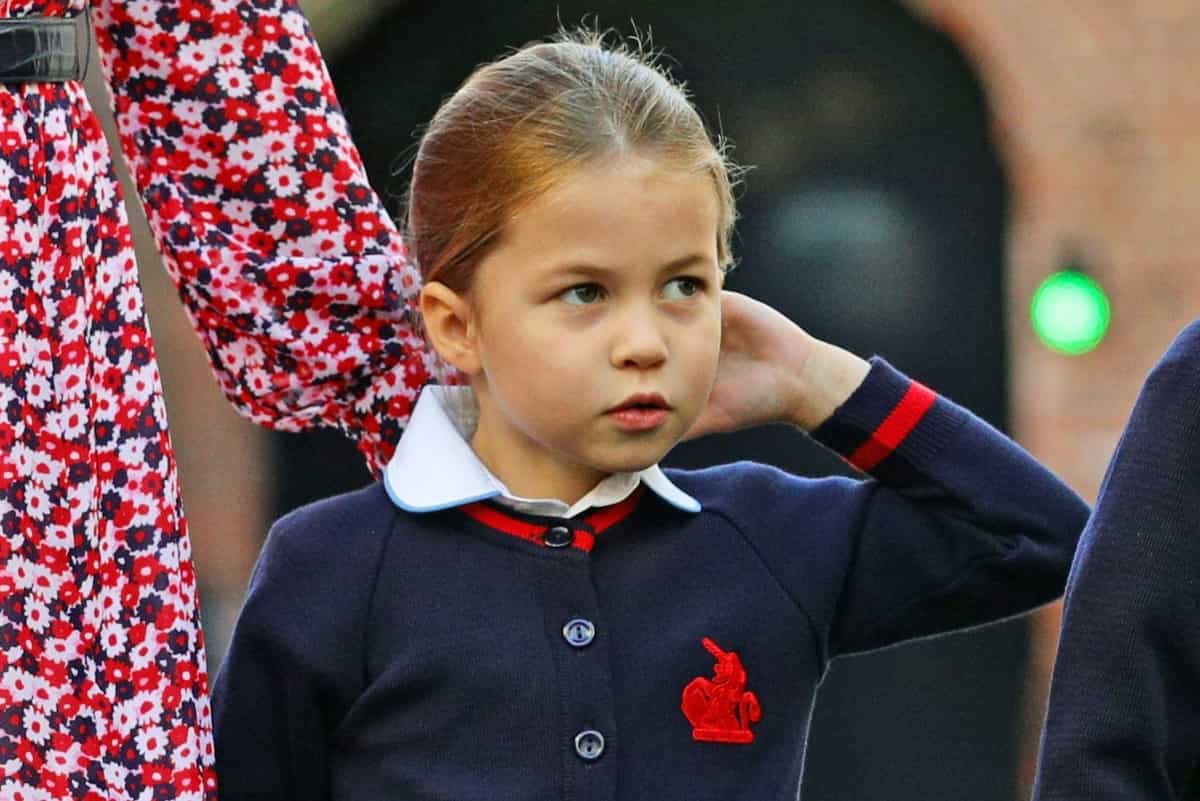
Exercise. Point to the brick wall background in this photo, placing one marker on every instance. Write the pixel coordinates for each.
(1097, 112)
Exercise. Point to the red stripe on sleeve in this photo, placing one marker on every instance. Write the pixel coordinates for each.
(918, 400)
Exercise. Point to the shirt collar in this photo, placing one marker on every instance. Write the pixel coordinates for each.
(434, 468)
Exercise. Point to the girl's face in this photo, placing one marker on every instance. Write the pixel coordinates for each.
(596, 326)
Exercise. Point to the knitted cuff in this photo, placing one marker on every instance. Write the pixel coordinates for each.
(891, 425)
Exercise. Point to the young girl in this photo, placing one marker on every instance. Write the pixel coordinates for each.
(527, 606)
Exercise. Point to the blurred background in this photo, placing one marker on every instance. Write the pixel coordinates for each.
(921, 168)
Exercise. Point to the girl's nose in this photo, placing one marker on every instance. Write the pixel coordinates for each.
(638, 342)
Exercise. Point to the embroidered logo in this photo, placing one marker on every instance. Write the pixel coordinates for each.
(720, 709)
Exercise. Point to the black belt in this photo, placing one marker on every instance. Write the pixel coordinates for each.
(36, 49)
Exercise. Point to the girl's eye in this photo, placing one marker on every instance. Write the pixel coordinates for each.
(680, 288)
(583, 294)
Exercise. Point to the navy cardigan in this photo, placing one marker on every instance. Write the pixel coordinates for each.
(638, 652)
(1123, 722)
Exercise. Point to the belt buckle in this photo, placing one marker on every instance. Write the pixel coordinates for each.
(44, 49)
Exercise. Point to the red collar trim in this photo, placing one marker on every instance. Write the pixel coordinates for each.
(585, 529)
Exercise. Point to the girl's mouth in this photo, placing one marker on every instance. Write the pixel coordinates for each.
(641, 412)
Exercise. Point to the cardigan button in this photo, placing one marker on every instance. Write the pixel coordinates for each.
(589, 744)
(579, 632)
(558, 537)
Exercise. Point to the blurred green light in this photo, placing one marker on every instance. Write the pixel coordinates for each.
(1070, 313)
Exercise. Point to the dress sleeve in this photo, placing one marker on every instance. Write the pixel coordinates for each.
(954, 525)
(1123, 720)
(291, 270)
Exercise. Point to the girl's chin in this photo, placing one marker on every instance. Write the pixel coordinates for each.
(632, 459)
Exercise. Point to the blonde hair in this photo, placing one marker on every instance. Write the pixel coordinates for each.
(522, 124)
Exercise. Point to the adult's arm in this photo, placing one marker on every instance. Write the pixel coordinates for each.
(287, 262)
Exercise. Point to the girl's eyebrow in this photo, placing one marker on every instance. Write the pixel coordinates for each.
(595, 270)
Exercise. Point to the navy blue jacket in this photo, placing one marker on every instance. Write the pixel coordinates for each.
(1123, 720)
(455, 656)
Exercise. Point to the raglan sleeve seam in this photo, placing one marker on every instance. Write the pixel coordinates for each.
(818, 648)
(368, 618)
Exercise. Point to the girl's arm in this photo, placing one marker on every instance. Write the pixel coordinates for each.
(1124, 714)
(955, 526)
(295, 664)
(288, 265)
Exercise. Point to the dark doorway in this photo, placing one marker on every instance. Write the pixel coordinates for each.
(874, 216)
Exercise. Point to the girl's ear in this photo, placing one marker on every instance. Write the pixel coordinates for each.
(450, 327)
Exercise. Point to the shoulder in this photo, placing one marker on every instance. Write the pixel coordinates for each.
(1187, 343)
(750, 490)
(314, 580)
(342, 529)
(367, 506)
(1154, 462)
(1179, 368)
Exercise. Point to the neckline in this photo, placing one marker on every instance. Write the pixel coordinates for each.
(584, 528)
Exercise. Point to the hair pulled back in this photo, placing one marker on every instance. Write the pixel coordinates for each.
(522, 124)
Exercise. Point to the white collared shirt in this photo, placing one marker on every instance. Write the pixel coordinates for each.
(435, 468)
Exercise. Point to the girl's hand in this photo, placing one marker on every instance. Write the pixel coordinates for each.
(772, 371)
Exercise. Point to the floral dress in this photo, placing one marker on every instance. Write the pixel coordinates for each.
(298, 284)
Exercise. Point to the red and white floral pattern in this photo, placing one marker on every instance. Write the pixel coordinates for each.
(297, 282)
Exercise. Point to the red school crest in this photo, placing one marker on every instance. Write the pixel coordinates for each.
(719, 709)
